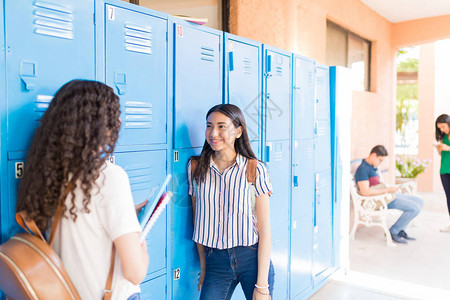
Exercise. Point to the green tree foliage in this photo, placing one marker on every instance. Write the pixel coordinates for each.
(407, 97)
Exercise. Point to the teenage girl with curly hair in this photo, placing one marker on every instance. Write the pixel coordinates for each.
(233, 241)
(77, 135)
(442, 134)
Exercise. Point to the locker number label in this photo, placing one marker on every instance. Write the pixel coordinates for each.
(176, 274)
(179, 31)
(111, 13)
(231, 45)
(19, 169)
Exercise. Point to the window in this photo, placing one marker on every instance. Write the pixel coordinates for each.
(201, 9)
(347, 49)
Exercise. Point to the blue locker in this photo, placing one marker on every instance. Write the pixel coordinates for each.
(145, 170)
(136, 67)
(302, 215)
(185, 264)
(304, 92)
(60, 46)
(278, 86)
(322, 92)
(322, 253)
(3, 124)
(243, 81)
(153, 289)
(322, 159)
(278, 164)
(198, 80)
(277, 106)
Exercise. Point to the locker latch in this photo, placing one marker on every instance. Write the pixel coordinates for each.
(28, 74)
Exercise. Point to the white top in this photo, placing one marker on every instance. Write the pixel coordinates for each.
(85, 245)
(223, 214)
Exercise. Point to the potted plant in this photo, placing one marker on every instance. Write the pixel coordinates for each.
(409, 167)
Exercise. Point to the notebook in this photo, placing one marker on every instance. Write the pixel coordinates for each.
(156, 202)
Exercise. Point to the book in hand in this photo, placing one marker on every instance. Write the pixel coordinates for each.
(152, 204)
(199, 21)
(159, 208)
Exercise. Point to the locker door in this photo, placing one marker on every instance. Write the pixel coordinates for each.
(151, 290)
(304, 85)
(49, 43)
(322, 253)
(322, 158)
(3, 154)
(135, 60)
(302, 216)
(323, 93)
(8, 219)
(323, 235)
(278, 89)
(198, 81)
(279, 171)
(323, 197)
(243, 71)
(145, 170)
(184, 251)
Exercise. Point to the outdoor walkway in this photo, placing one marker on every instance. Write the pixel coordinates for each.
(418, 270)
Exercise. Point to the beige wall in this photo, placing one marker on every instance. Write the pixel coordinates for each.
(416, 32)
(426, 116)
(300, 26)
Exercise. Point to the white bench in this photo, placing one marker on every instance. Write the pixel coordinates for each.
(372, 210)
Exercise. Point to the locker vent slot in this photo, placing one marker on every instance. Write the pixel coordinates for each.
(279, 71)
(247, 66)
(140, 176)
(138, 38)
(278, 156)
(138, 115)
(41, 104)
(310, 77)
(53, 20)
(321, 130)
(207, 54)
(320, 80)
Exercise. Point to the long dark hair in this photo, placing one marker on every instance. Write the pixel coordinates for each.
(441, 119)
(78, 132)
(241, 144)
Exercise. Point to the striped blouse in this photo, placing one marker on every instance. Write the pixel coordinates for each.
(223, 214)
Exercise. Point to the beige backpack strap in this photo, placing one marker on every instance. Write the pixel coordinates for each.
(252, 165)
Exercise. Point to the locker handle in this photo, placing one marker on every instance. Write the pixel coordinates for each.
(120, 80)
(231, 59)
(269, 63)
(296, 180)
(267, 153)
(316, 124)
(28, 74)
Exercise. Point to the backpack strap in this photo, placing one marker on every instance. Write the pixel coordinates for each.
(252, 165)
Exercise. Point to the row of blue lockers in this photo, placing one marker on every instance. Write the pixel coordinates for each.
(168, 73)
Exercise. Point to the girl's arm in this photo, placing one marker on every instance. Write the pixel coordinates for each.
(133, 257)
(200, 249)
(263, 225)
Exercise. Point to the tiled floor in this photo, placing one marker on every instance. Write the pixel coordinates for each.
(418, 270)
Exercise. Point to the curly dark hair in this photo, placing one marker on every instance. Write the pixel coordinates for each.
(442, 119)
(241, 145)
(78, 132)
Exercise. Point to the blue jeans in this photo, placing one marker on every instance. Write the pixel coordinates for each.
(228, 267)
(134, 297)
(410, 205)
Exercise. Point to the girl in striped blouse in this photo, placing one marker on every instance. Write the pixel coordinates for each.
(233, 242)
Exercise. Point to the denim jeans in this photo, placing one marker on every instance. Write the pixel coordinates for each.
(228, 267)
(410, 205)
(134, 297)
